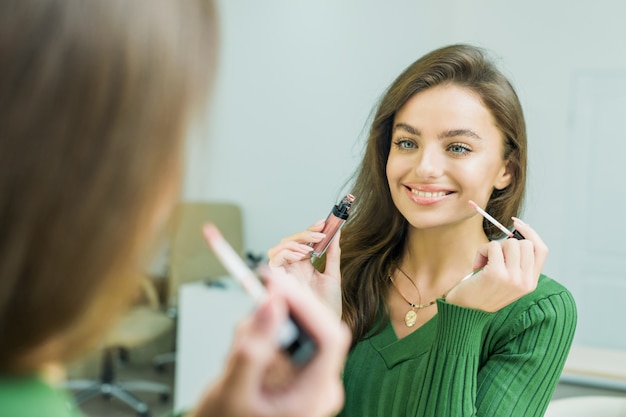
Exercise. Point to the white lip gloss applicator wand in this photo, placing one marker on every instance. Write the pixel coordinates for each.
(517, 235)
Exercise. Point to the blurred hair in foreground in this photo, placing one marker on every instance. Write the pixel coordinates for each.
(95, 100)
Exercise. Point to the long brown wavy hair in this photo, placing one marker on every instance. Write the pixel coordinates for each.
(95, 98)
(373, 239)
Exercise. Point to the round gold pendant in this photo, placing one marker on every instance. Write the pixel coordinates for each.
(410, 318)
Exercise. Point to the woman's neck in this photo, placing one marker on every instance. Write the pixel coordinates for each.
(440, 256)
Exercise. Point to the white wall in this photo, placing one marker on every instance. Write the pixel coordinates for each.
(297, 81)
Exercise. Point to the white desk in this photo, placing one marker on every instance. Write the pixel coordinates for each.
(595, 367)
(207, 318)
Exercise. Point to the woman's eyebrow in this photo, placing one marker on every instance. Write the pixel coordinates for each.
(459, 132)
(407, 128)
(443, 135)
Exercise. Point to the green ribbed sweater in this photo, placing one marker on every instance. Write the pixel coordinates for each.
(466, 362)
(30, 396)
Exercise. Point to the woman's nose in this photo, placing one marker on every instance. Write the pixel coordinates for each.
(429, 163)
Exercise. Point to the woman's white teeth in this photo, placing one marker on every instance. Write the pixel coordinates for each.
(428, 194)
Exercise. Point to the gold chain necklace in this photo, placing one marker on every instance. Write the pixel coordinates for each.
(410, 318)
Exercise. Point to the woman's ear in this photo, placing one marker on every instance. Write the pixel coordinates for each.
(505, 176)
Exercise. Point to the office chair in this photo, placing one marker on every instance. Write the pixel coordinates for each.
(142, 324)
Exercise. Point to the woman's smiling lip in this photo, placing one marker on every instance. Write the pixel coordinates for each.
(426, 194)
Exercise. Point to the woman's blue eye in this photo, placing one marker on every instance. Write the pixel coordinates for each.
(459, 148)
(404, 144)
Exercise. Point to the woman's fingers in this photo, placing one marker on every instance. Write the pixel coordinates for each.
(295, 247)
(310, 310)
(333, 255)
(258, 333)
(288, 252)
(528, 259)
(293, 255)
(511, 258)
(519, 261)
(331, 335)
(329, 332)
(252, 353)
(509, 269)
(540, 249)
(489, 255)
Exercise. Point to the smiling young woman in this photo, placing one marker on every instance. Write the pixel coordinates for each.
(428, 342)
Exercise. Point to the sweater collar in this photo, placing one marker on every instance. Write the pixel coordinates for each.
(394, 351)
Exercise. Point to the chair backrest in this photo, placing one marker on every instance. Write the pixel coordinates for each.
(588, 406)
(190, 258)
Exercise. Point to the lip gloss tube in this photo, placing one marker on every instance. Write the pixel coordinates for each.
(337, 217)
